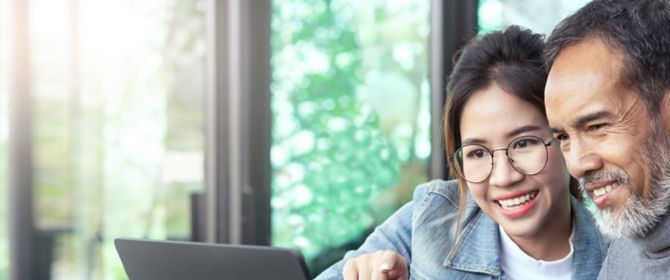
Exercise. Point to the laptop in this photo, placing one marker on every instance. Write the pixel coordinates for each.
(171, 260)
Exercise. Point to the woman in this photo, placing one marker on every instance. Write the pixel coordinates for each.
(514, 212)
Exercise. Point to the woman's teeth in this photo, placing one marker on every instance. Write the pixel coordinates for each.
(517, 201)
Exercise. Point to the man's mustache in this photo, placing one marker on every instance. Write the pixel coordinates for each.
(600, 176)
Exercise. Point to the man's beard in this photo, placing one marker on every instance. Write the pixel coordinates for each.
(638, 215)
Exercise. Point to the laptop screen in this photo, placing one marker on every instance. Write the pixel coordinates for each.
(168, 260)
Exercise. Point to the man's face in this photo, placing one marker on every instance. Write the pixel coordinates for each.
(608, 139)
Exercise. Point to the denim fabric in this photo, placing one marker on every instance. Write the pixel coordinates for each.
(424, 230)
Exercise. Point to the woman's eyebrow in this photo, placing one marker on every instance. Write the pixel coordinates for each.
(470, 141)
(513, 133)
(523, 129)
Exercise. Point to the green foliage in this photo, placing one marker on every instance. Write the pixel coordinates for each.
(329, 155)
(489, 16)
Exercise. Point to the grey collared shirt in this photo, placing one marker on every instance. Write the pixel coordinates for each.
(640, 258)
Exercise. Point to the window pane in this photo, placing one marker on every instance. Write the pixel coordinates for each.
(4, 152)
(118, 127)
(498, 14)
(350, 101)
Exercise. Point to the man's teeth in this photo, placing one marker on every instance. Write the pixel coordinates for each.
(602, 191)
(517, 201)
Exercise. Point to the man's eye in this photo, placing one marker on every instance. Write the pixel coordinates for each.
(561, 137)
(596, 126)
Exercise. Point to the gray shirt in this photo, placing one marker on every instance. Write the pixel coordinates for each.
(640, 258)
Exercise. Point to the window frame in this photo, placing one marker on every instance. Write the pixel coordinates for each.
(236, 207)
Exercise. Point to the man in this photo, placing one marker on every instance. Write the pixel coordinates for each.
(608, 104)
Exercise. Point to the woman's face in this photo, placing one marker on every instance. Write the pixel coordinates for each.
(521, 204)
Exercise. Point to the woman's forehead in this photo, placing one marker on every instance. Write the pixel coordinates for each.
(492, 112)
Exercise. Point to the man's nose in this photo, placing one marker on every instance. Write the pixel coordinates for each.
(582, 158)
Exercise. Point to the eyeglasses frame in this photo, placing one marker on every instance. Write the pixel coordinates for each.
(510, 160)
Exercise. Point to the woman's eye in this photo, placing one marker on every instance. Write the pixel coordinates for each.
(476, 154)
(525, 143)
(520, 144)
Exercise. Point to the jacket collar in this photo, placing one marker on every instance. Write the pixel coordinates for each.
(589, 245)
(478, 248)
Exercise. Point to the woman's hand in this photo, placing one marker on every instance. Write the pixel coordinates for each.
(380, 265)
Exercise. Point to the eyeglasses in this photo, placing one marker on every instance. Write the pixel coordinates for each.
(527, 154)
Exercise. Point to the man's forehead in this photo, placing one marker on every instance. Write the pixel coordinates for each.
(589, 53)
(590, 60)
(574, 86)
(570, 97)
(584, 78)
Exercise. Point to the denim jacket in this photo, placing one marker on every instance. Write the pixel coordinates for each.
(423, 232)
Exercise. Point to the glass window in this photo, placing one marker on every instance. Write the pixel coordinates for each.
(118, 90)
(350, 103)
(498, 14)
(4, 152)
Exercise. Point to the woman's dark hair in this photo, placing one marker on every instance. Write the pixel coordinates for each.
(511, 59)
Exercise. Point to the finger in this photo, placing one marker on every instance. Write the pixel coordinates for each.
(349, 272)
(394, 265)
(380, 265)
(389, 260)
(400, 274)
(364, 266)
(379, 275)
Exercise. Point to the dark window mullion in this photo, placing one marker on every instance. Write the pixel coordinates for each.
(453, 23)
(21, 227)
(238, 148)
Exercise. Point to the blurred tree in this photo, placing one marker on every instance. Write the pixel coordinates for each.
(329, 155)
